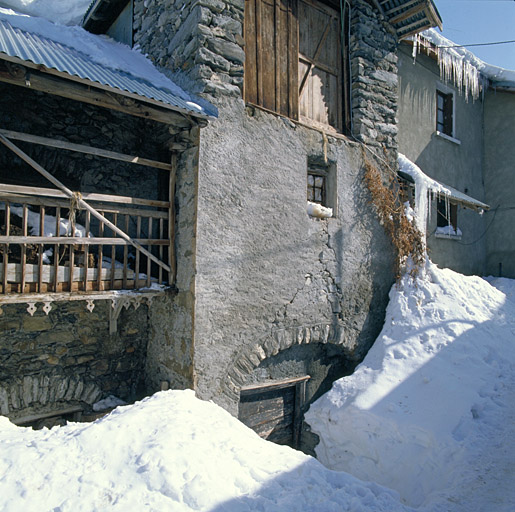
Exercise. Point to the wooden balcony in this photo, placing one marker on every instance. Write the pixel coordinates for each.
(51, 244)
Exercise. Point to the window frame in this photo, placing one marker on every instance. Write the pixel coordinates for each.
(448, 95)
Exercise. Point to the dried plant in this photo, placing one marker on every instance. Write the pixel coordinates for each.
(404, 234)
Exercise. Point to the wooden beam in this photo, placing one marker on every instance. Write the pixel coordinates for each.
(274, 384)
(407, 14)
(26, 158)
(402, 6)
(67, 86)
(51, 192)
(88, 150)
(77, 240)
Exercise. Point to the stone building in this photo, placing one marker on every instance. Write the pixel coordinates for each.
(282, 268)
(459, 132)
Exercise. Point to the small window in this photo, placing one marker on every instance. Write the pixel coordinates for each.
(317, 188)
(444, 113)
(447, 218)
(321, 188)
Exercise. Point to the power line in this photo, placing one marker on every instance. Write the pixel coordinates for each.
(478, 44)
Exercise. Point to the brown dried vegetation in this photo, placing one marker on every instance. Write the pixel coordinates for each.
(404, 234)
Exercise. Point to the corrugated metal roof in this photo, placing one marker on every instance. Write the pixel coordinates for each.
(40, 50)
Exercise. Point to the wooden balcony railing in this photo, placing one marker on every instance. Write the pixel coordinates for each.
(51, 244)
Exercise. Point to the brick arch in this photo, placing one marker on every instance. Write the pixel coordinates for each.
(251, 355)
(43, 392)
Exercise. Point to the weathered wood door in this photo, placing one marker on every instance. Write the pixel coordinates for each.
(275, 410)
(320, 64)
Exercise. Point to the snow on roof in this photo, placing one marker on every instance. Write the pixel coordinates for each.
(425, 185)
(76, 52)
(460, 66)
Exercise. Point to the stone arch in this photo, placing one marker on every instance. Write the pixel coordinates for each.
(44, 392)
(252, 355)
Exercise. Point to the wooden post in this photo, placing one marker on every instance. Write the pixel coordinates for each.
(171, 222)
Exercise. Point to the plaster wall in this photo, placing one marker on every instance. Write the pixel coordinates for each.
(275, 293)
(269, 277)
(456, 164)
(499, 164)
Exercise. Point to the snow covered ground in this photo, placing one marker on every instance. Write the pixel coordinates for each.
(431, 410)
(426, 421)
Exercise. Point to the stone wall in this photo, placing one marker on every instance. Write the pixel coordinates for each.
(199, 41)
(373, 60)
(69, 355)
(269, 277)
(275, 293)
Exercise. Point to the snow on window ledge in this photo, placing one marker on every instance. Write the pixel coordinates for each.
(448, 232)
(448, 137)
(319, 211)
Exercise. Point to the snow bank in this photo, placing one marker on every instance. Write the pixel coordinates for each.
(424, 412)
(170, 452)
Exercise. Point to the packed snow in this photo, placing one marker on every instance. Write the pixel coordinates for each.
(170, 452)
(427, 421)
(430, 412)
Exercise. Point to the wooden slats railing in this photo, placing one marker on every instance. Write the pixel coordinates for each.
(39, 252)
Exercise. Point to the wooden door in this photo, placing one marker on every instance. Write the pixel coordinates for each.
(275, 410)
(320, 64)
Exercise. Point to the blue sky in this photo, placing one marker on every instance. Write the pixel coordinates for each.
(481, 21)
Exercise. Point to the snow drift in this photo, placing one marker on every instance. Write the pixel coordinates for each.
(170, 452)
(424, 411)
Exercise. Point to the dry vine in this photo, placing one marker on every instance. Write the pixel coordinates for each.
(404, 234)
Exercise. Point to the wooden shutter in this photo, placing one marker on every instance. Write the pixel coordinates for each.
(271, 45)
(320, 64)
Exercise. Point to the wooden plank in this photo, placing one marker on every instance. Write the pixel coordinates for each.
(274, 384)
(298, 416)
(250, 92)
(56, 249)
(125, 254)
(161, 235)
(52, 192)
(293, 59)
(49, 414)
(65, 203)
(81, 201)
(100, 284)
(172, 263)
(136, 264)
(48, 274)
(88, 150)
(278, 50)
(40, 247)
(113, 252)
(23, 248)
(86, 253)
(149, 263)
(6, 246)
(55, 240)
(407, 14)
(259, 52)
(75, 88)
